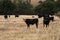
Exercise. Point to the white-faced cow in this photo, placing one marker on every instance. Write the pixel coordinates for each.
(31, 21)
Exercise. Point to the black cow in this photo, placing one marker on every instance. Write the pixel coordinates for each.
(31, 21)
(16, 15)
(46, 21)
(5, 16)
(51, 18)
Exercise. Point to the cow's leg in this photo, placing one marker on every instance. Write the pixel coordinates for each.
(9, 16)
(36, 25)
(46, 25)
(28, 26)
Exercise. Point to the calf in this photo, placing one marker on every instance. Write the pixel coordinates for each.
(31, 21)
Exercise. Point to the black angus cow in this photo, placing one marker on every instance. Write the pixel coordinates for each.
(16, 15)
(31, 21)
(51, 18)
(5, 16)
(46, 21)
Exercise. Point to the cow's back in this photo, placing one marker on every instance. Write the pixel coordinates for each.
(31, 21)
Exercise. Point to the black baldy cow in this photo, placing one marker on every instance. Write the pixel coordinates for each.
(31, 21)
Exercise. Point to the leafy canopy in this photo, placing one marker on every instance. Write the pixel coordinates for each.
(7, 7)
(46, 8)
(25, 8)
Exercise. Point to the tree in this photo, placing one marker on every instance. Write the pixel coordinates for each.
(7, 7)
(46, 8)
(58, 4)
(24, 8)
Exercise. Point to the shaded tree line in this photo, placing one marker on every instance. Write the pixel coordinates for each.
(48, 7)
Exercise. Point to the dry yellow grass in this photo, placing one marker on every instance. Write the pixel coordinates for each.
(16, 29)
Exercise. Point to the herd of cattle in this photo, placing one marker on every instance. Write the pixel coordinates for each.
(46, 21)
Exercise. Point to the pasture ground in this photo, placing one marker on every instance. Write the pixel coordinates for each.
(16, 29)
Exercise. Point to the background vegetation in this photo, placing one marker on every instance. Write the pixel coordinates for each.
(49, 7)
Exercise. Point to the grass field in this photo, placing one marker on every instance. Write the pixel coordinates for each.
(16, 29)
